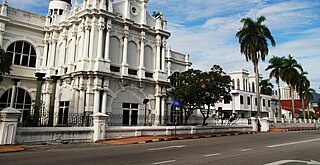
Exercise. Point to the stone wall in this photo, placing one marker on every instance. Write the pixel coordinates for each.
(55, 134)
(123, 132)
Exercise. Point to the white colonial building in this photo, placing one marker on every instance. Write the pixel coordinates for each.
(244, 100)
(106, 57)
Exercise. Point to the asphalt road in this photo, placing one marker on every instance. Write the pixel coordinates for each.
(265, 148)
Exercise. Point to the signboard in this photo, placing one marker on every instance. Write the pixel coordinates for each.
(176, 103)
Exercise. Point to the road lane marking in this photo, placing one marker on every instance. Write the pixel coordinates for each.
(293, 143)
(248, 149)
(168, 147)
(293, 161)
(164, 162)
(216, 154)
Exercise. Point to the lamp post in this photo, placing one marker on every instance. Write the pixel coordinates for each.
(53, 96)
(145, 102)
(40, 79)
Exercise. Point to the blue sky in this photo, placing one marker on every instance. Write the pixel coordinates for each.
(205, 29)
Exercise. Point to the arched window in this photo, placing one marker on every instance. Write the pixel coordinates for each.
(115, 50)
(22, 53)
(132, 54)
(23, 102)
(148, 58)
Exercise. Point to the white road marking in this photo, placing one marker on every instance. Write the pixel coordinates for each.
(168, 147)
(293, 161)
(212, 155)
(164, 162)
(248, 149)
(293, 143)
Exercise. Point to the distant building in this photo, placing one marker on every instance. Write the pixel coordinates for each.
(244, 100)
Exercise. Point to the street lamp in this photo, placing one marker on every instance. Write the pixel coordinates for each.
(145, 102)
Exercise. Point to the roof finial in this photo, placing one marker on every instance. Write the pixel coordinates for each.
(5, 2)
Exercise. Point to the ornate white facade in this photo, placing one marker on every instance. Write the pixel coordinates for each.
(110, 56)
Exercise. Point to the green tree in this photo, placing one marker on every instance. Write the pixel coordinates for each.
(182, 88)
(266, 87)
(290, 74)
(301, 85)
(276, 67)
(5, 63)
(253, 40)
(201, 90)
(214, 86)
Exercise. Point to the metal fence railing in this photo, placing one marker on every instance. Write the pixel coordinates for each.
(59, 120)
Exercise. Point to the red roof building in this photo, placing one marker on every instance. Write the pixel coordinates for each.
(287, 105)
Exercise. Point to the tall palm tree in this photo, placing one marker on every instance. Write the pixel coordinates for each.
(266, 87)
(253, 40)
(308, 95)
(275, 67)
(301, 85)
(291, 70)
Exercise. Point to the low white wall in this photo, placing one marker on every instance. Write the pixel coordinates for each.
(293, 125)
(54, 134)
(123, 132)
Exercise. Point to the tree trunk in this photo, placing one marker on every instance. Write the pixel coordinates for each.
(280, 110)
(256, 72)
(292, 100)
(302, 102)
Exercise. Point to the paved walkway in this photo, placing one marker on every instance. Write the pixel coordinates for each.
(147, 139)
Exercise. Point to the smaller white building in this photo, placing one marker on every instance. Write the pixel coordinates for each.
(244, 101)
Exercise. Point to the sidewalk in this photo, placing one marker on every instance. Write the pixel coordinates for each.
(10, 148)
(147, 139)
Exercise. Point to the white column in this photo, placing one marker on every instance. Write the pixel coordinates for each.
(62, 55)
(53, 53)
(144, 12)
(80, 49)
(141, 64)
(107, 43)
(100, 40)
(125, 52)
(45, 54)
(169, 62)
(163, 55)
(72, 51)
(86, 41)
(81, 101)
(104, 102)
(96, 104)
(92, 38)
(76, 101)
(158, 56)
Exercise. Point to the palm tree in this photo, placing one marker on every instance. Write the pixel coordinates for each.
(266, 87)
(276, 65)
(301, 85)
(253, 40)
(291, 70)
(308, 96)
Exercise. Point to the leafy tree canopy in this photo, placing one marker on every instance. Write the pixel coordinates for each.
(197, 89)
(5, 63)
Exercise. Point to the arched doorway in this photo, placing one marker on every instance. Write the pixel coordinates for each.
(23, 103)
